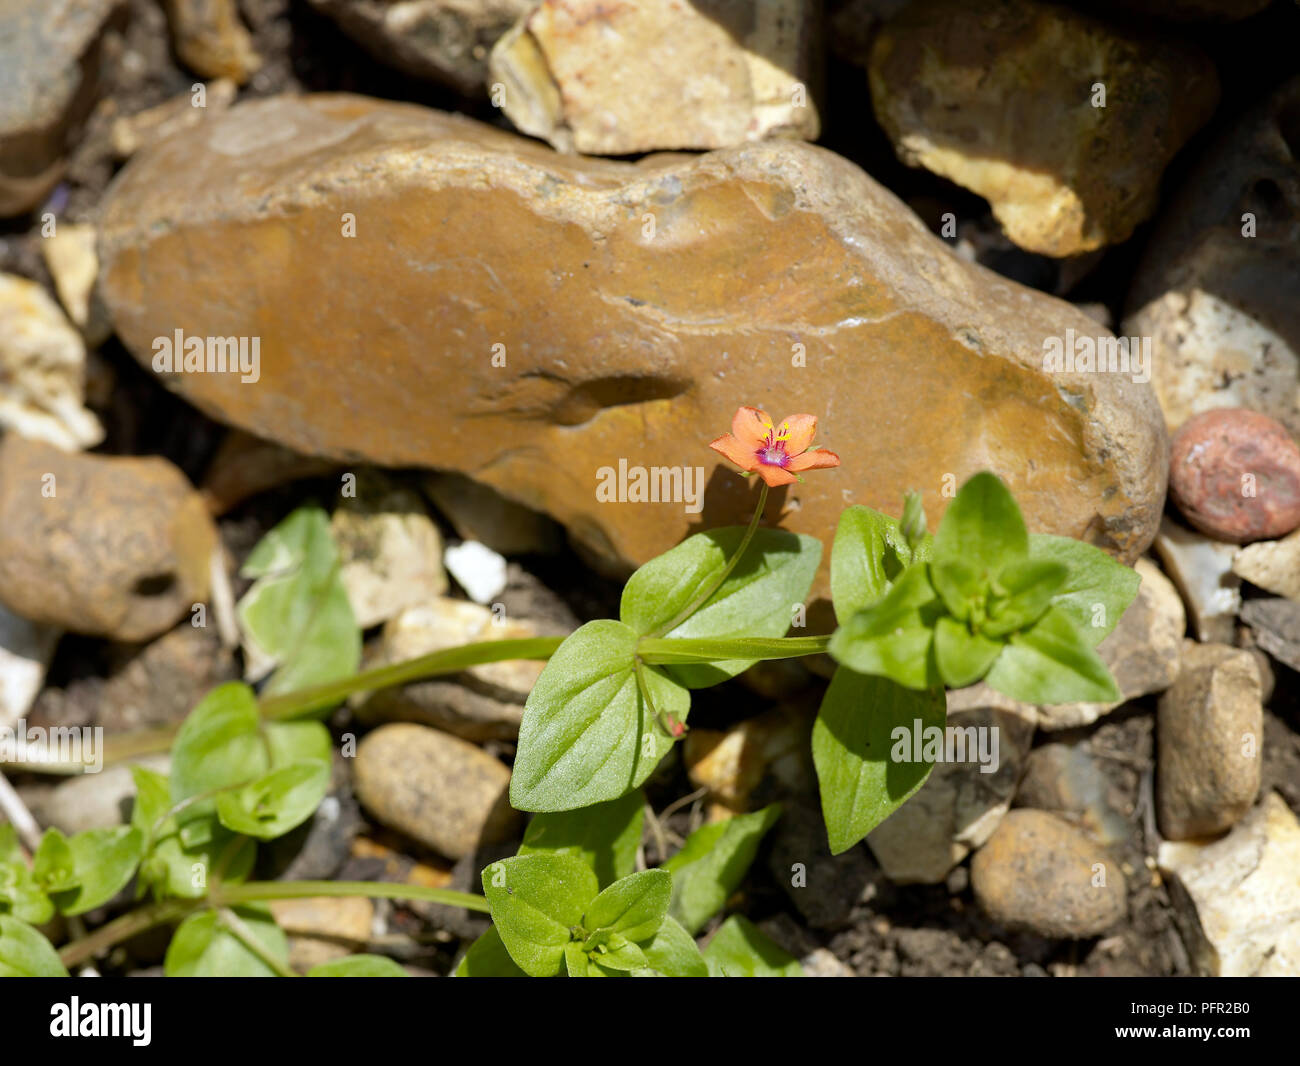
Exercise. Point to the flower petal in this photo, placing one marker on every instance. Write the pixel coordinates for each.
(802, 429)
(816, 459)
(730, 448)
(750, 426)
(775, 475)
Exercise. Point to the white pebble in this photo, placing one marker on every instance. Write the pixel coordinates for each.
(479, 570)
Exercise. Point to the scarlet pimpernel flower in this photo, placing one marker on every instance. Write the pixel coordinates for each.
(776, 453)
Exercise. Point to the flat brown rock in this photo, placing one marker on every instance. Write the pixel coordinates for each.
(528, 318)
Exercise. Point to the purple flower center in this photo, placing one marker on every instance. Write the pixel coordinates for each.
(773, 454)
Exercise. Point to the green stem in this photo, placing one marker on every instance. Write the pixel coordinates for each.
(254, 891)
(447, 661)
(660, 650)
(716, 583)
(229, 895)
(667, 723)
(235, 926)
(318, 697)
(185, 804)
(75, 952)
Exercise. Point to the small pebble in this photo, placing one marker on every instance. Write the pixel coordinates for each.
(1235, 475)
(479, 570)
(438, 790)
(1041, 874)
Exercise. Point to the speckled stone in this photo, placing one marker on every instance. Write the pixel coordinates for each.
(1040, 873)
(1235, 475)
(438, 790)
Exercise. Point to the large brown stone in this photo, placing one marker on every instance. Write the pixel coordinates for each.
(634, 306)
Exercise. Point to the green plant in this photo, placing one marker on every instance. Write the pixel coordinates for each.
(981, 599)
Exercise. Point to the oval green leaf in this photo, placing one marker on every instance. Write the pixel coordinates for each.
(587, 735)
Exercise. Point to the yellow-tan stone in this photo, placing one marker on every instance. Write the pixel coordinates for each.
(528, 318)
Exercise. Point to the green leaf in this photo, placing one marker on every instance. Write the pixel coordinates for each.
(961, 656)
(1026, 588)
(53, 865)
(152, 800)
(958, 585)
(224, 745)
(605, 835)
(219, 743)
(487, 957)
(203, 947)
(10, 849)
(186, 849)
(739, 949)
(299, 741)
(893, 637)
(1097, 590)
(277, 801)
(982, 528)
(25, 953)
(575, 961)
(297, 616)
(634, 906)
(105, 860)
(1052, 662)
(358, 966)
(869, 553)
(756, 600)
(674, 953)
(587, 735)
(20, 895)
(713, 862)
(861, 784)
(618, 954)
(537, 901)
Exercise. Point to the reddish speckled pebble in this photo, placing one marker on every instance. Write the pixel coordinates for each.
(1218, 458)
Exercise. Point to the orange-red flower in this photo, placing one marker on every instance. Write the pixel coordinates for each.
(777, 454)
